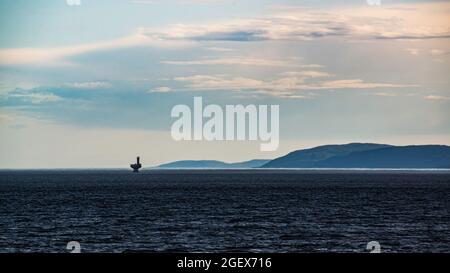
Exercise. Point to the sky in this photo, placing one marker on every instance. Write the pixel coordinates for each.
(92, 85)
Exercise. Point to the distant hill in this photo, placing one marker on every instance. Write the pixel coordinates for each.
(366, 155)
(255, 163)
(212, 164)
(424, 156)
(353, 155)
(309, 158)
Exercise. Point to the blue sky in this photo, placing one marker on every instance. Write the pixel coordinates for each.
(93, 85)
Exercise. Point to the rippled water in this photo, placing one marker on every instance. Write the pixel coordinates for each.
(209, 211)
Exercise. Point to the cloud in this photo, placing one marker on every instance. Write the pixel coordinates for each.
(413, 51)
(162, 89)
(236, 61)
(58, 56)
(248, 30)
(439, 52)
(88, 85)
(383, 94)
(307, 74)
(408, 21)
(217, 82)
(40, 94)
(247, 61)
(434, 97)
(68, 92)
(219, 49)
(36, 98)
(352, 84)
(312, 66)
(52, 56)
(288, 84)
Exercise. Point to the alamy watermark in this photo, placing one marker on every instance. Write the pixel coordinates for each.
(234, 122)
(374, 247)
(74, 247)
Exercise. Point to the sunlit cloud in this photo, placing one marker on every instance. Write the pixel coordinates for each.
(384, 94)
(387, 22)
(287, 85)
(412, 51)
(435, 97)
(58, 56)
(439, 52)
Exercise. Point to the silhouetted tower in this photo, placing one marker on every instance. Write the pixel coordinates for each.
(136, 166)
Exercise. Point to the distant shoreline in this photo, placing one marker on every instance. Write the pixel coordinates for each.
(236, 169)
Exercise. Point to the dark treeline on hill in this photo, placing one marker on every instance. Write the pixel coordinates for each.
(353, 155)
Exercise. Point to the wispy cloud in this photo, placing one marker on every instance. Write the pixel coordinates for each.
(161, 89)
(384, 94)
(288, 84)
(306, 74)
(219, 49)
(35, 98)
(89, 85)
(237, 61)
(435, 97)
(413, 51)
(439, 52)
(58, 56)
(246, 61)
(52, 56)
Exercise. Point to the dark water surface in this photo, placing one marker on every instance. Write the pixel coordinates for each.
(225, 210)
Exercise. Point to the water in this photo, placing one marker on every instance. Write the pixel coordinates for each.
(225, 210)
